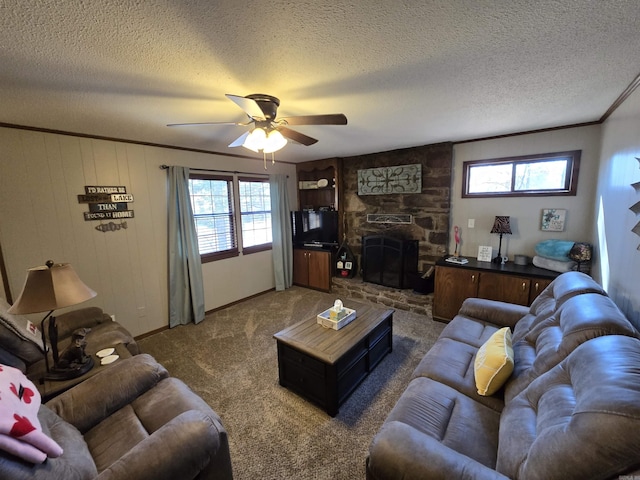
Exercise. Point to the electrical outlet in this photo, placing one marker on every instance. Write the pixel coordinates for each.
(471, 223)
(113, 318)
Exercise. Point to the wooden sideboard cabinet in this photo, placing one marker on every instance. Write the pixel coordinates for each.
(312, 268)
(511, 283)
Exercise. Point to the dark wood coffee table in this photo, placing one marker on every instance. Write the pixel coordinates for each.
(325, 366)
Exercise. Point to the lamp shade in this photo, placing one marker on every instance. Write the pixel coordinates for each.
(501, 225)
(580, 252)
(51, 287)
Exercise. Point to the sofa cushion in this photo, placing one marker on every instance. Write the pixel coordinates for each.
(168, 399)
(459, 423)
(469, 330)
(114, 437)
(579, 420)
(494, 362)
(20, 325)
(8, 358)
(164, 418)
(25, 350)
(562, 288)
(548, 342)
(451, 362)
(107, 334)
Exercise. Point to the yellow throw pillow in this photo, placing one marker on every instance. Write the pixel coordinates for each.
(494, 362)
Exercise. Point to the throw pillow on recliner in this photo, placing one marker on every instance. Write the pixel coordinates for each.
(494, 362)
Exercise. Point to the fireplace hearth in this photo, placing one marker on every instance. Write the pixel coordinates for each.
(389, 261)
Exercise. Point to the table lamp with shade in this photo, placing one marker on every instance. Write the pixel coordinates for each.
(48, 288)
(581, 254)
(501, 225)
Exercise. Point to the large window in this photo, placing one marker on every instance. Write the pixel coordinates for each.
(222, 202)
(255, 212)
(531, 175)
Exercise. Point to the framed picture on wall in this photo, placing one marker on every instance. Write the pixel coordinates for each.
(553, 219)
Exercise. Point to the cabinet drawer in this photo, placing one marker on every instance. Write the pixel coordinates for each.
(352, 356)
(305, 361)
(352, 378)
(379, 350)
(380, 331)
(307, 383)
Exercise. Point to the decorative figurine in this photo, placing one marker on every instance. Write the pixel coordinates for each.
(75, 354)
(73, 361)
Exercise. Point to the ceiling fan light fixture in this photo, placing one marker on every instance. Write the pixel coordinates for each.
(256, 140)
(274, 142)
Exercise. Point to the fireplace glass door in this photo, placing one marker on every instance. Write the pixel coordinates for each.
(389, 261)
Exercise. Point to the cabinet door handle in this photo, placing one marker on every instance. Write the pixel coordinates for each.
(524, 286)
(536, 287)
(473, 279)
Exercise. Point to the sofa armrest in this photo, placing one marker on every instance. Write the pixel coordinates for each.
(401, 451)
(91, 401)
(83, 317)
(499, 313)
(200, 440)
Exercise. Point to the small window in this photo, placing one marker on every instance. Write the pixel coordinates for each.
(255, 214)
(531, 175)
(212, 204)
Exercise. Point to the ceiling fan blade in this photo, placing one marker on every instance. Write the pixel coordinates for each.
(297, 136)
(249, 105)
(238, 124)
(331, 119)
(240, 140)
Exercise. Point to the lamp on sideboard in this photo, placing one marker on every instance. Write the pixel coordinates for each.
(48, 288)
(502, 226)
(581, 254)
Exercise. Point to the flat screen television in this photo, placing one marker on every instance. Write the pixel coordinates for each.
(314, 228)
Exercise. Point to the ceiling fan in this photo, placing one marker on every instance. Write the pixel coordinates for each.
(270, 133)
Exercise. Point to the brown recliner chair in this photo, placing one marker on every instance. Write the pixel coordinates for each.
(131, 421)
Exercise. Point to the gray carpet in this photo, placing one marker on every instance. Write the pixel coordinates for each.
(230, 360)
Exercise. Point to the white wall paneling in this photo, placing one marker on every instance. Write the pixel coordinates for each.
(40, 219)
(525, 212)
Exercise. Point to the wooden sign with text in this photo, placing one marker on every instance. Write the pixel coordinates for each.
(106, 203)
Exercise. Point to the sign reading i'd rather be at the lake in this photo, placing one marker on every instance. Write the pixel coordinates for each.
(106, 202)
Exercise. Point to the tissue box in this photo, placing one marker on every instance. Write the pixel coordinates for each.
(326, 321)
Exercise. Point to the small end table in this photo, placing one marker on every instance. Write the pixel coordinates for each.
(51, 388)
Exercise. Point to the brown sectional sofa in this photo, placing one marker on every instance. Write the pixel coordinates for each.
(571, 408)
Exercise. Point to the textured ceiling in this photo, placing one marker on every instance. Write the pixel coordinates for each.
(405, 73)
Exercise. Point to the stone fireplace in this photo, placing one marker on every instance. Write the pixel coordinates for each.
(428, 210)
